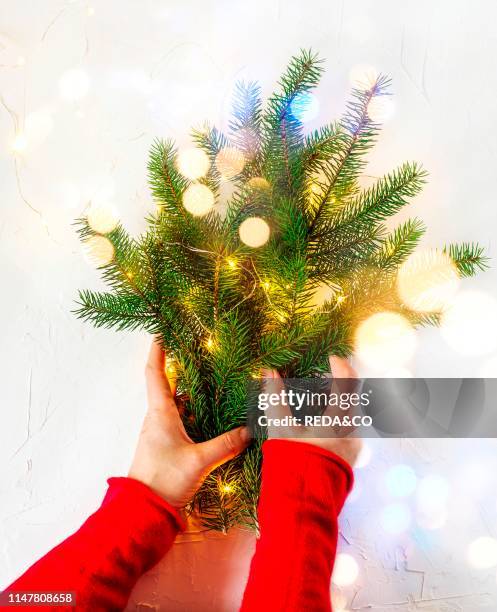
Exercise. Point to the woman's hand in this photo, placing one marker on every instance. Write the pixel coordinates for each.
(166, 459)
(347, 448)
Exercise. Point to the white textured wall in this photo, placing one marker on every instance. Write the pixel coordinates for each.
(73, 397)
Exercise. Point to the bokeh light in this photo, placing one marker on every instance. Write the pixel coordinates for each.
(102, 219)
(469, 325)
(99, 250)
(432, 493)
(230, 161)
(427, 281)
(19, 144)
(345, 571)
(258, 183)
(381, 109)
(198, 199)
(305, 106)
(74, 85)
(482, 553)
(401, 480)
(363, 76)
(321, 294)
(385, 340)
(192, 163)
(396, 518)
(254, 232)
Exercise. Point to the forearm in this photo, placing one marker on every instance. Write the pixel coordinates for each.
(102, 561)
(303, 490)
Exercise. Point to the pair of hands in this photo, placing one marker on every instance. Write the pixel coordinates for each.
(172, 465)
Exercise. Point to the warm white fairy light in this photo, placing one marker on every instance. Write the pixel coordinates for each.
(385, 340)
(226, 487)
(198, 199)
(482, 553)
(21, 60)
(230, 161)
(258, 183)
(322, 293)
(192, 162)
(231, 262)
(469, 325)
(90, 11)
(99, 250)
(74, 85)
(345, 571)
(254, 232)
(427, 281)
(102, 219)
(19, 144)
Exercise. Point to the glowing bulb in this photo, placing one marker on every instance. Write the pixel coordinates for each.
(341, 299)
(21, 60)
(254, 232)
(469, 326)
(19, 143)
(90, 11)
(198, 199)
(482, 553)
(304, 106)
(385, 340)
(257, 183)
(396, 518)
(345, 571)
(102, 219)
(74, 85)
(266, 285)
(427, 281)
(226, 487)
(323, 293)
(401, 480)
(381, 109)
(99, 250)
(231, 262)
(230, 162)
(209, 343)
(363, 76)
(193, 163)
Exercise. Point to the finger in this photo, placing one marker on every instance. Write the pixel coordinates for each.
(341, 368)
(272, 387)
(160, 396)
(226, 446)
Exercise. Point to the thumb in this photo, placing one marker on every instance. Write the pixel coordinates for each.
(224, 447)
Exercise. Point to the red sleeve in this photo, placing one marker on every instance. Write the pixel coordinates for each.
(303, 490)
(101, 562)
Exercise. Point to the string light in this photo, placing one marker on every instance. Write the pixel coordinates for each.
(210, 344)
(254, 232)
(230, 161)
(198, 199)
(345, 571)
(102, 219)
(19, 143)
(192, 163)
(226, 487)
(99, 250)
(427, 281)
(231, 262)
(385, 340)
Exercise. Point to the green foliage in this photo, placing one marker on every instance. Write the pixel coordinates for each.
(224, 310)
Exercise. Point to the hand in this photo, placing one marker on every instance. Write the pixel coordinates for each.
(166, 459)
(346, 448)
